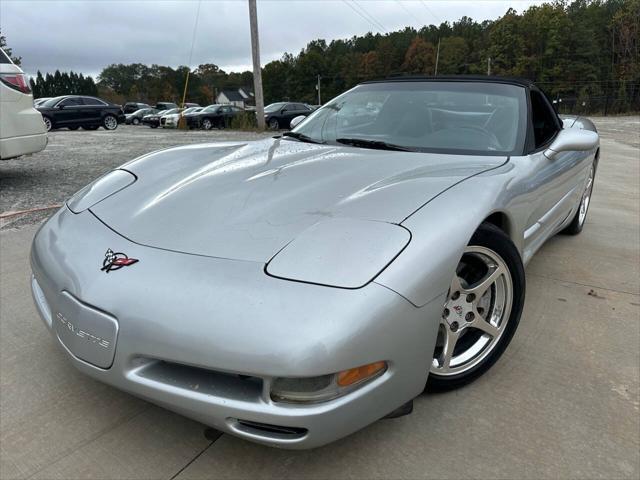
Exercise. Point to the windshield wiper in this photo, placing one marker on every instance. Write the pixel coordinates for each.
(377, 144)
(302, 137)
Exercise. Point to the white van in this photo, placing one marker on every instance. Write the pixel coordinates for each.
(22, 129)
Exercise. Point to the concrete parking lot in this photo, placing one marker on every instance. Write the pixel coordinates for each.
(563, 402)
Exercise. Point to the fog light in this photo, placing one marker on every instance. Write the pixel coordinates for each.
(324, 387)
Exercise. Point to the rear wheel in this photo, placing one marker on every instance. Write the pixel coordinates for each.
(207, 124)
(47, 123)
(109, 122)
(482, 310)
(274, 124)
(135, 121)
(577, 224)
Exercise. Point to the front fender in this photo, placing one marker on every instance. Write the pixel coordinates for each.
(440, 232)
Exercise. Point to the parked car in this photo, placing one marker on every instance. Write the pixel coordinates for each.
(75, 111)
(171, 120)
(292, 290)
(135, 118)
(190, 105)
(165, 106)
(218, 116)
(22, 130)
(279, 115)
(131, 107)
(153, 120)
(40, 100)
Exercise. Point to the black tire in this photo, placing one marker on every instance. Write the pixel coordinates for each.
(493, 238)
(577, 224)
(207, 124)
(135, 121)
(48, 123)
(74, 128)
(109, 122)
(274, 124)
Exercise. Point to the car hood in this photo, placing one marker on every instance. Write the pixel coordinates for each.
(246, 201)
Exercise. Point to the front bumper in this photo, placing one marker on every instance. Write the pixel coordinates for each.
(205, 336)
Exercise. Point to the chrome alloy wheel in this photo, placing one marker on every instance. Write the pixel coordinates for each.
(110, 122)
(586, 198)
(206, 124)
(47, 123)
(476, 312)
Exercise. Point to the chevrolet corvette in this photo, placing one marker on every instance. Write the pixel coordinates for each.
(293, 290)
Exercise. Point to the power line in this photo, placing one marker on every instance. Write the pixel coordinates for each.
(406, 9)
(365, 12)
(431, 12)
(376, 27)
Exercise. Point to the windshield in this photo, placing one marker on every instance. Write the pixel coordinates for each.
(191, 110)
(274, 107)
(445, 117)
(169, 112)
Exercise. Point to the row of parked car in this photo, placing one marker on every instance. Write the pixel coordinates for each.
(24, 122)
(277, 115)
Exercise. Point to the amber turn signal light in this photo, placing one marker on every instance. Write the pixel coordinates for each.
(358, 374)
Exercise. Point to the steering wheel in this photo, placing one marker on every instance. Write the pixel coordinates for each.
(493, 140)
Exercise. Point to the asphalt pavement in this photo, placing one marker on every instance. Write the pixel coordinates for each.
(563, 401)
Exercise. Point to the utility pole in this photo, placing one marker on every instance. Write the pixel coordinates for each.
(488, 66)
(318, 88)
(257, 72)
(437, 58)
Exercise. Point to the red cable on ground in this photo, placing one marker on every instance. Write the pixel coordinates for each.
(23, 212)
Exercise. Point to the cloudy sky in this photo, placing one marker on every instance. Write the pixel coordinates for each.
(86, 35)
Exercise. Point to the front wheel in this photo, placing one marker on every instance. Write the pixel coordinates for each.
(109, 122)
(207, 124)
(135, 121)
(274, 124)
(482, 310)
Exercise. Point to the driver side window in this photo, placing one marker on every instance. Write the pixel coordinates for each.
(545, 125)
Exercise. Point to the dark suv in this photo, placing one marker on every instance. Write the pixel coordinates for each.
(131, 107)
(75, 111)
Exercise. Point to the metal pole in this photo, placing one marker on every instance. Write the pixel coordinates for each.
(437, 58)
(318, 88)
(257, 72)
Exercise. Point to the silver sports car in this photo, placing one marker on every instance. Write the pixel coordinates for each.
(293, 290)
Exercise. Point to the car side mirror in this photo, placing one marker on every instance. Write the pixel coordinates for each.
(283, 110)
(60, 107)
(296, 121)
(572, 139)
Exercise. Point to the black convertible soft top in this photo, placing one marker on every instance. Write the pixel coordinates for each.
(523, 82)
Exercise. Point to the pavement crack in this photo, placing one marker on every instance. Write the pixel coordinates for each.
(190, 462)
(582, 284)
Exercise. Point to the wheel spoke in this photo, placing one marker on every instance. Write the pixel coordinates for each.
(482, 324)
(449, 346)
(456, 285)
(483, 285)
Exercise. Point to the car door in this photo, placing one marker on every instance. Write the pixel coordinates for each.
(93, 110)
(225, 115)
(69, 112)
(554, 184)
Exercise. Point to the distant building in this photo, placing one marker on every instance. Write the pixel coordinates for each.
(240, 97)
